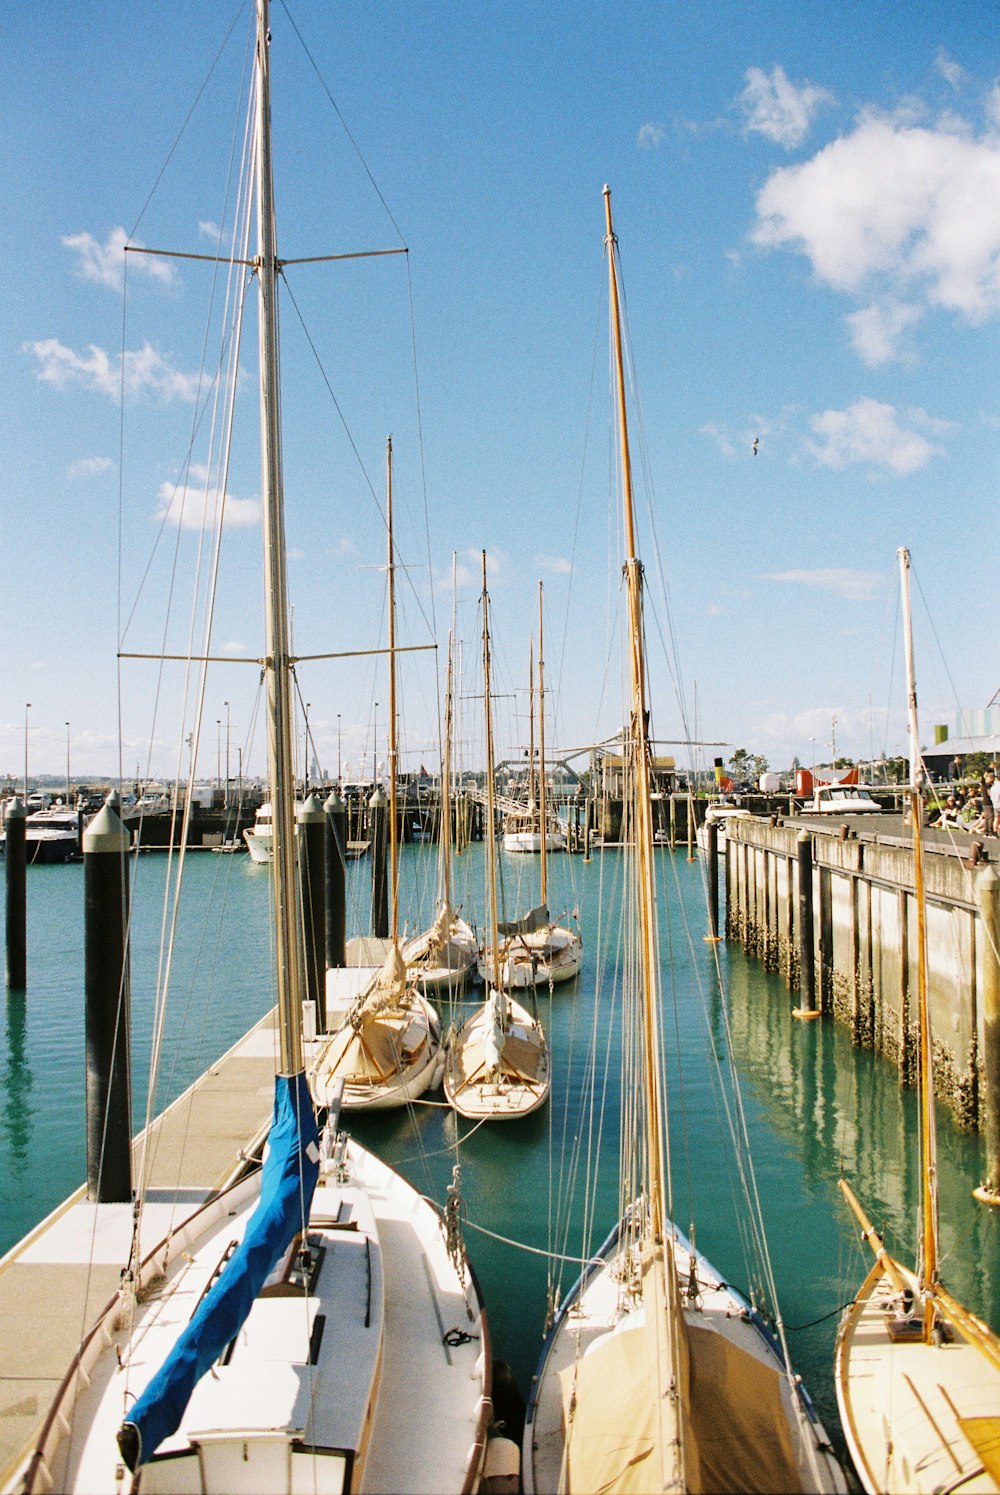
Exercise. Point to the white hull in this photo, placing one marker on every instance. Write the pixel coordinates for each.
(395, 1060)
(597, 1311)
(531, 842)
(546, 957)
(256, 1422)
(480, 1090)
(259, 847)
(900, 1400)
(442, 971)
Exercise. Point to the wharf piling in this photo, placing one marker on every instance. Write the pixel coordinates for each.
(312, 823)
(17, 909)
(336, 895)
(108, 1021)
(988, 901)
(378, 830)
(830, 908)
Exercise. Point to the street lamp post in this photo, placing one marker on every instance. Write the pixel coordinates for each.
(338, 750)
(226, 797)
(67, 765)
(27, 708)
(218, 752)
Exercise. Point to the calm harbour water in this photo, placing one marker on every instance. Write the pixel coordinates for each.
(814, 1104)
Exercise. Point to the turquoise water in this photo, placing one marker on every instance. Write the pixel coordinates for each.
(814, 1104)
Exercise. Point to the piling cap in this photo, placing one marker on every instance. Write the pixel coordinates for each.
(15, 809)
(311, 813)
(379, 799)
(106, 831)
(334, 804)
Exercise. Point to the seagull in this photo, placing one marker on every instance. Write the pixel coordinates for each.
(756, 444)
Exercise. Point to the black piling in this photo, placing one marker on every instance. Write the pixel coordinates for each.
(15, 853)
(807, 951)
(109, 1082)
(336, 896)
(378, 831)
(312, 821)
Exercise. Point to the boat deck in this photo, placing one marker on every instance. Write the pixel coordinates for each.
(56, 1281)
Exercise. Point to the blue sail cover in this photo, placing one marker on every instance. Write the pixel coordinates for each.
(288, 1180)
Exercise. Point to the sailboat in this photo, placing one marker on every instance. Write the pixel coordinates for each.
(656, 1374)
(441, 959)
(917, 1374)
(497, 1065)
(536, 950)
(522, 831)
(387, 1051)
(274, 1341)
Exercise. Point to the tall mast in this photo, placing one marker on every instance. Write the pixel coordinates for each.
(277, 667)
(928, 1263)
(638, 764)
(543, 879)
(491, 834)
(638, 751)
(531, 726)
(393, 821)
(445, 888)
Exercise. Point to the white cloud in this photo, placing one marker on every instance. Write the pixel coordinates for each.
(775, 107)
(234, 646)
(210, 231)
(557, 563)
(949, 69)
(650, 135)
(196, 503)
(853, 586)
(90, 467)
(870, 433)
(878, 331)
(901, 215)
(142, 371)
(105, 262)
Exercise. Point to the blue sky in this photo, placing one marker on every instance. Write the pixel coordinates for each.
(807, 201)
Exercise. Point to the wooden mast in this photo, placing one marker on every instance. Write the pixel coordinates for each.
(638, 750)
(445, 831)
(277, 664)
(927, 1266)
(491, 849)
(543, 879)
(393, 815)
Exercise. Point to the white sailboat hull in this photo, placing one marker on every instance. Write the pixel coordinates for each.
(597, 1310)
(306, 1399)
(412, 1039)
(481, 1090)
(531, 842)
(900, 1400)
(545, 957)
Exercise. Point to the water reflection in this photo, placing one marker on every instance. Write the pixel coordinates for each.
(843, 1110)
(18, 1081)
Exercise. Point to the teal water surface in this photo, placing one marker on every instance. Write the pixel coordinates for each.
(547, 1187)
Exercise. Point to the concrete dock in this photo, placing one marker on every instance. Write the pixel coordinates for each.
(55, 1282)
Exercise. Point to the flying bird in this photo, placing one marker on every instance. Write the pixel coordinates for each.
(756, 444)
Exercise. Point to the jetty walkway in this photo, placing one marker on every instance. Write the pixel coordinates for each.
(55, 1282)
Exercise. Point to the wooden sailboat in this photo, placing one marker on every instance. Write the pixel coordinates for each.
(280, 1337)
(497, 1066)
(441, 959)
(917, 1374)
(388, 1049)
(537, 950)
(656, 1375)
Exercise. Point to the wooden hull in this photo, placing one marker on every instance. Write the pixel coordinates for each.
(407, 1065)
(517, 1087)
(901, 1401)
